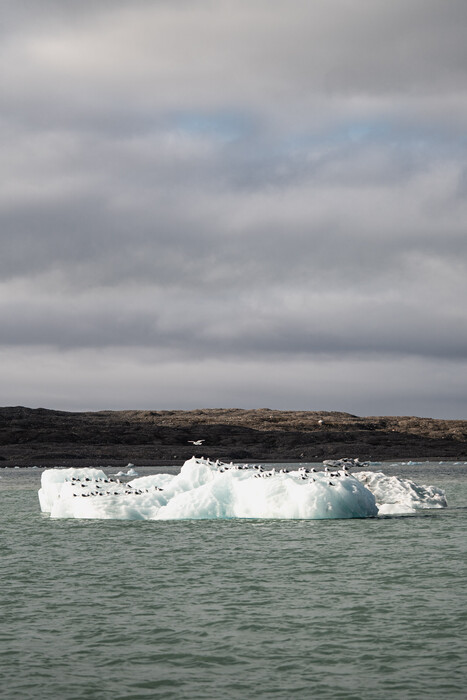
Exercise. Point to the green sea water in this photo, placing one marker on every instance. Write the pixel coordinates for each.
(329, 609)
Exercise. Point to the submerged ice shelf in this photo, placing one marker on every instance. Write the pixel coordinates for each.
(208, 490)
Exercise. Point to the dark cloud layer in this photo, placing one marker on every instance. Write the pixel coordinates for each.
(270, 198)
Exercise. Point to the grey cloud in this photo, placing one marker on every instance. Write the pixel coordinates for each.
(234, 183)
(199, 55)
(268, 323)
(135, 380)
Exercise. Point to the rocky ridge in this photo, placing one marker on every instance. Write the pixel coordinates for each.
(47, 437)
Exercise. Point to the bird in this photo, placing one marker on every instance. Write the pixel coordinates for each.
(196, 442)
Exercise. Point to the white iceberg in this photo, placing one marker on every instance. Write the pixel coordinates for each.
(207, 490)
(53, 481)
(395, 495)
(130, 472)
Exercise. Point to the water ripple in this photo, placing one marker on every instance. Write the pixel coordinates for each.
(327, 609)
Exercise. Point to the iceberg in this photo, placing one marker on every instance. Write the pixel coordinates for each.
(395, 495)
(53, 481)
(205, 489)
(130, 472)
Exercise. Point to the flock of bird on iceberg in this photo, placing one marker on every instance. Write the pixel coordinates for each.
(206, 489)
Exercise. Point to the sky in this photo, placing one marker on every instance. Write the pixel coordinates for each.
(234, 203)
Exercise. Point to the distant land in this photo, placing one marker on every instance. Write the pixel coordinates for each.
(46, 437)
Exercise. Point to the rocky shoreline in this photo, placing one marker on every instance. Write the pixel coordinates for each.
(46, 437)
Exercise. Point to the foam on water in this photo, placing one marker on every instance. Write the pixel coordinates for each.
(207, 490)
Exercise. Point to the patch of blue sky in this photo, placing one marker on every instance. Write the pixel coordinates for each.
(380, 133)
(220, 126)
(341, 133)
(365, 131)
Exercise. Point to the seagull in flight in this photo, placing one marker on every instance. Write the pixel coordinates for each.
(196, 442)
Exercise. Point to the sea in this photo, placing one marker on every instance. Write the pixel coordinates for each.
(359, 609)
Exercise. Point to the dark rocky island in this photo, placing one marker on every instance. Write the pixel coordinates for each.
(45, 437)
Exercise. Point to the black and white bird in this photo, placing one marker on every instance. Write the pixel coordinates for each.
(196, 442)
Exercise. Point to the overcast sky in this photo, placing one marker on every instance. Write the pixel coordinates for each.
(234, 203)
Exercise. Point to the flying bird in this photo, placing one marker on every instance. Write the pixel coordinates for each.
(196, 442)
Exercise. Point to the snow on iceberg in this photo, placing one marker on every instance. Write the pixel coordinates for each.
(395, 495)
(52, 481)
(207, 490)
